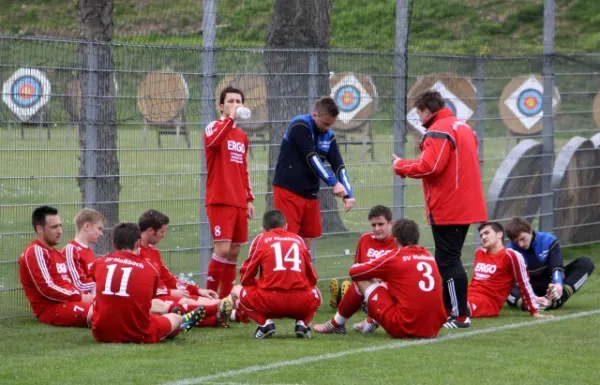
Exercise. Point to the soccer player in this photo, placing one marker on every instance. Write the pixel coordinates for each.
(229, 199)
(45, 278)
(544, 261)
(412, 304)
(126, 284)
(449, 169)
(496, 270)
(153, 226)
(285, 287)
(307, 142)
(373, 245)
(89, 225)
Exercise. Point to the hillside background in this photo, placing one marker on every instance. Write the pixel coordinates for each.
(452, 26)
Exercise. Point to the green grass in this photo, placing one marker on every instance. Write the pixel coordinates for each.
(564, 351)
(455, 26)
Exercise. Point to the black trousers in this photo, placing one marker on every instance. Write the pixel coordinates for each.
(449, 241)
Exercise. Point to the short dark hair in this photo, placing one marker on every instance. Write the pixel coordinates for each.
(380, 211)
(152, 219)
(273, 219)
(430, 99)
(38, 217)
(326, 105)
(125, 236)
(406, 232)
(230, 90)
(516, 226)
(497, 227)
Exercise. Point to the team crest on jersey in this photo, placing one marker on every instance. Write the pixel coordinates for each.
(61, 268)
(323, 144)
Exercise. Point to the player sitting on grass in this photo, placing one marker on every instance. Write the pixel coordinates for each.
(495, 271)
(285, 287)
(544, 260)
(412, 305)
(153, 226)
(126, 283)
(373, 245)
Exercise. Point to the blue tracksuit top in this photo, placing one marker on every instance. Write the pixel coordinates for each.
(543, 258)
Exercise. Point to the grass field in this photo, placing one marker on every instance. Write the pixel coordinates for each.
(510, 349)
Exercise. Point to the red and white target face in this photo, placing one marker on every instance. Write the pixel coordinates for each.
(526, 102)
(350, 96)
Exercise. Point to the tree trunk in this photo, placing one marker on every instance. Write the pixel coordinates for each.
(99, 115)
(297, 24)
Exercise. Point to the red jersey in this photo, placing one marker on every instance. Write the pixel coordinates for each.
(494, 275)
(283, 260)
(45, 278)
(80, 259)
(370, 248)
(167, 281)
(228, 180)
(413, 282)
(126, 284)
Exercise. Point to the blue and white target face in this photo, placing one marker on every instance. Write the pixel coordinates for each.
(530, 102)
(351, 97)
(347, 98)
(26, 92)
(526, 102)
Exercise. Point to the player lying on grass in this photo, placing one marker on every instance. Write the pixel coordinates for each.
(126, 283)
(495, 271)
(187, 296)
(373, 245)
(544, 260)
(286, 285)
(412, 304)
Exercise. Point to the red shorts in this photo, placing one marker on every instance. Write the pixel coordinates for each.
(158, 329)
(295, 304)
(70, 314)
(171, 299)
(228, 223)
(303, 215)
(390, 316)
(481, 306)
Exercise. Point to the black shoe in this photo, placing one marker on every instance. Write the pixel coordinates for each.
(302, 331)
(264, 331)
(176, 310)
(192, 318)
(453, 323)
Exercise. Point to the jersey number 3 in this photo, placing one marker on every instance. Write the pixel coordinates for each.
(124, 281)
(427, 270)
(292, 255)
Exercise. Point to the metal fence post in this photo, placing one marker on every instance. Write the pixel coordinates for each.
(401, 76)
(480, 119)
(547, 210)
(209, 20)
(91, 121)
(313, 94)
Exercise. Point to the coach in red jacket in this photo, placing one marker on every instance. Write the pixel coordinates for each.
(449, 168)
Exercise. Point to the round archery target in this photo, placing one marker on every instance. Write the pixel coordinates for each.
(162, 96)
(355, 96)
(521, 104)
(26, 92)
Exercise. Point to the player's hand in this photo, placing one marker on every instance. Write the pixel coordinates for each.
(395, 158)
(208, 293)
(555, 291)
(540, 315)
(251, 210)
(180, 293)
(87, 298)
(233, 112)
(339, 190)
(349, 204)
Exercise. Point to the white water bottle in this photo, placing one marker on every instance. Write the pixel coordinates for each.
(243, 113)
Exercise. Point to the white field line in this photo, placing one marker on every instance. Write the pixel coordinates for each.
(371, 349)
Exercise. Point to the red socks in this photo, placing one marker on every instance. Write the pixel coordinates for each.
(351, 303)
(221, 275)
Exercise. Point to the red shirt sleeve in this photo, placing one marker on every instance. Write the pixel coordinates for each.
(247, 184)
(251, 265)
(38, 262)
(311, 273)
(435, 153)
(78, 269)
(358, 252)
(520, 276)
(378, 268)
(216, 132)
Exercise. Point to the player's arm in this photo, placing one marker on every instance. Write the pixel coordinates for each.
(334, 157)
(300, 135)
(520, 276)
(216, 131)
(38, 263)
(555, 262)
(376, 269)
(248, 185)
(251, 265)
(79, 276)
(311, 273)
(436, 150)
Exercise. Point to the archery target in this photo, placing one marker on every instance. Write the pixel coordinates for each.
(521, 104)
(355, 96)
(162, 96)
(26, 92)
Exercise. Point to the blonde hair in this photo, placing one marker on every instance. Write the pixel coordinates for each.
(87, 215)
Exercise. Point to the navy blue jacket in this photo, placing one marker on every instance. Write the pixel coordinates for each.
(300, 163)
(543, 258)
